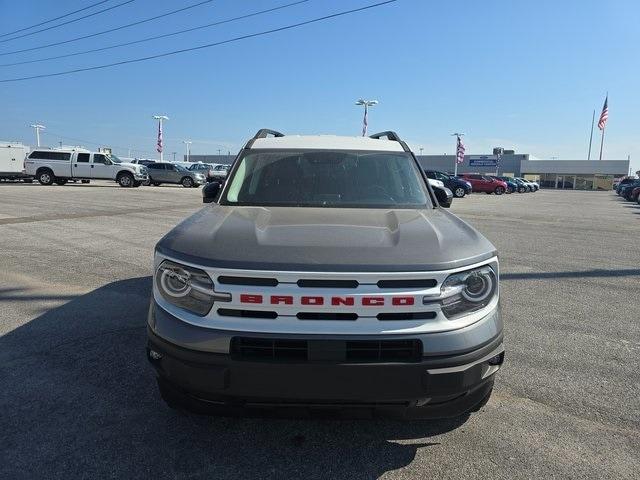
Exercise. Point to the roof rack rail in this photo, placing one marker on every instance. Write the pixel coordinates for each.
(392, 136)
(264, 132)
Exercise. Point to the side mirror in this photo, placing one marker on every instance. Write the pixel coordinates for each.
(210, 192)
(444, 196)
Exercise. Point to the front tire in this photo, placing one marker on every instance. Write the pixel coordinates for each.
(187, 182)
(510, 189)
(125, 180)
(45, 177)
(521, 189)
(499, 190)
(459, 192)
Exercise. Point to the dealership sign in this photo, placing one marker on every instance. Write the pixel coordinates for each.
(482, 160)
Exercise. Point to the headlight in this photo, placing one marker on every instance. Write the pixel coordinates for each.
(466, 292)
(185, 287)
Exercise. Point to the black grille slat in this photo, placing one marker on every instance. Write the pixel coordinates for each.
(326, 316)
(252, 281)
(304, 283)
(384, 350)
(261, 348)
(407, 316)
(361, 351)
(418, 283)
(229, 312)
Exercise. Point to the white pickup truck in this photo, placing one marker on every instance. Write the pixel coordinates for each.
(59, 166)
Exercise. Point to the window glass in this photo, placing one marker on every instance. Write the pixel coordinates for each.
(83, 158)
(99, 158)
(50, 155)
(328, 179)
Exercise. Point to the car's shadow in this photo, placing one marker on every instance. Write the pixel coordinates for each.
(79, 400)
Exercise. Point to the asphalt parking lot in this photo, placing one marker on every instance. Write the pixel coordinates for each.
(78, 400)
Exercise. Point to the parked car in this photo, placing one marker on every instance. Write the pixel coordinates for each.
(519, 185)
(623, 182)
(204, 168)
(165, 172)
(484, 183)
(635, 193)
(324, 272)
(627, 189)
(532, 186)
(220, 172)
(458, 186)
(61, 165)
(512, 185)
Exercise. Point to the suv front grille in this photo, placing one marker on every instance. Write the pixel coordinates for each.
(339, 351)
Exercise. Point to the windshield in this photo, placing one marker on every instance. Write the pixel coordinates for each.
(113, 158)
(327, 179)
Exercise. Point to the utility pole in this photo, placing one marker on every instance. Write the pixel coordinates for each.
(37, 128)
(459, 151)
(365, 120)
(421, 149)
(219, 150)
(174, 155)
(187, 148)
(160, 142)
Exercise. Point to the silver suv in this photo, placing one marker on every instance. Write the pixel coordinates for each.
(164, 172)
(325, 273)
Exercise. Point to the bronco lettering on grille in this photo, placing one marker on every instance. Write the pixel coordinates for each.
(366, 301)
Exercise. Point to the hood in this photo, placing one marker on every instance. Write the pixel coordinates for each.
(130, 165)
(322, 239)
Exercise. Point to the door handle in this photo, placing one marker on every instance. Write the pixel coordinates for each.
(91, 166)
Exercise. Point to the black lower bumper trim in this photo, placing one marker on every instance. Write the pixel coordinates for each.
(217, 380)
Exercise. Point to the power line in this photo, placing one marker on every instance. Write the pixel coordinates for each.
(200, 47)
(67, 22)
(109, 30)
(54, 19)
(148, 39)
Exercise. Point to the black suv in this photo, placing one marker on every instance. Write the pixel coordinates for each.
(458, 186)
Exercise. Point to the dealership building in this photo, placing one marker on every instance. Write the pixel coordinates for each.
(567, 174)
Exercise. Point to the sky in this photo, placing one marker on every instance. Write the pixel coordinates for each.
(519, 74)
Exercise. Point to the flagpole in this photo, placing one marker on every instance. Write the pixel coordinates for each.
(593, 119)
(455, 158)
(602, 141)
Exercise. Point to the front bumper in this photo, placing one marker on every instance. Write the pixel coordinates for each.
(142, 177)
(453, 376)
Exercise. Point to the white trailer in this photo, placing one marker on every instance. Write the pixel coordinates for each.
(12, 155)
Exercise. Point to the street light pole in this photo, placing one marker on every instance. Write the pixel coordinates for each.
(37, 128)
(187, 148)
(365, 120)
(159, 145)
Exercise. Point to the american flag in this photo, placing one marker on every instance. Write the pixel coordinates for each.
(604, 115)
(460, 151)
(159, 144)
(365, 123)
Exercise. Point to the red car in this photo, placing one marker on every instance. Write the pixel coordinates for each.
(481, 183)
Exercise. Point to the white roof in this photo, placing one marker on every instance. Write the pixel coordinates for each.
(333, 142)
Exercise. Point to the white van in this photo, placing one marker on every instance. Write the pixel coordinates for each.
(61, 165)
(12, 155)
